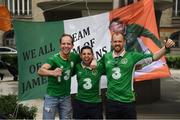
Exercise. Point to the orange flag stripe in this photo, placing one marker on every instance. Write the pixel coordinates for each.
(163, 71)
(5, 19)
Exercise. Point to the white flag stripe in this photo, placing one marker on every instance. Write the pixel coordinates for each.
(91, 30)
(149, 68)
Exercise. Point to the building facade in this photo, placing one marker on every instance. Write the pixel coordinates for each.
(167, 14)
(170, 24)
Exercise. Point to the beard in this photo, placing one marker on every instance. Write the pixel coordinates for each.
(118, 49)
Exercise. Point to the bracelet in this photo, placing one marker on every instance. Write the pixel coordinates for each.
(167, 50)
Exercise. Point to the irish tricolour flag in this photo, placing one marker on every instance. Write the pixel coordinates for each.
(36, 41)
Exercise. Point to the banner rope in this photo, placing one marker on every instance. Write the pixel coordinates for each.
(60, 6)
(16, 111)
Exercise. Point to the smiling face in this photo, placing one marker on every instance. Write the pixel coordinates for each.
(118, 42)
(66, 45)
(86, 56)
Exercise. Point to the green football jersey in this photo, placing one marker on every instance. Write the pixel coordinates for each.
(89, 83)
(61, 87)
(120, 72)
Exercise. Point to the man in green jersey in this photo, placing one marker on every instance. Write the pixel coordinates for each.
(87, 103)
(59, 68)
(119, 66)
(132, 34)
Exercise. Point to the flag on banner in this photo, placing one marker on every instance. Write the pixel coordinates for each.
(142, 14)
(5, 18)
(36, 41)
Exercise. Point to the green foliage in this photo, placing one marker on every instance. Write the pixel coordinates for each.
(173, 61)
(12, 59)
(9, 105)
(9, 58)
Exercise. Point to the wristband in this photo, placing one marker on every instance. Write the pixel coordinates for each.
(167, 49)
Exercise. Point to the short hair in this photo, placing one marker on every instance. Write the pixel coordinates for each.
(64, 35)
(86, 47)
(116, 19)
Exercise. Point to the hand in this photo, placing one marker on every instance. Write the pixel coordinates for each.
(58, 72)
(93, 64)
(169, 43)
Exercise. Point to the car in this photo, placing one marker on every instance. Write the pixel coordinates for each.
(7, 50)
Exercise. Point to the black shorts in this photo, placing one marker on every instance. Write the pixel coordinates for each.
(86, 110)
(120, 110)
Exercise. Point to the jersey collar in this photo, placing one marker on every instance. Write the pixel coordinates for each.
(120, 55)
(83, 66)
(63, 57)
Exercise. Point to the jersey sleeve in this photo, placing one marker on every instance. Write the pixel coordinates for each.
(102, 64)
(101, 68)
(75, 59)
(50, 61)
(141, 58)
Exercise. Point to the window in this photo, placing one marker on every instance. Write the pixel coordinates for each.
(19, 8)
(10, 42)
(176, 8)
(9, 39)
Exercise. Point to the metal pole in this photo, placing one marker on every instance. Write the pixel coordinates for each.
(118, 3)
(115, 4)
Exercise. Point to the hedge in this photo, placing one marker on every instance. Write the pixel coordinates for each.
(8, 105)
(173, 61)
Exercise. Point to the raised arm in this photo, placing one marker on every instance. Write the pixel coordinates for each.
(168, 44)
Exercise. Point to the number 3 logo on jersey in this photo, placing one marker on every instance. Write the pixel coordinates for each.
(116, 73)
(87, 85)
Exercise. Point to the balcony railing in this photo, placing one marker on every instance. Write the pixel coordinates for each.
(19, 8)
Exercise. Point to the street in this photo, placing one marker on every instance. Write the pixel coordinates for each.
(168, 107)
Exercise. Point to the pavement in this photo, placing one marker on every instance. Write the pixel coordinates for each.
(168, 107)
